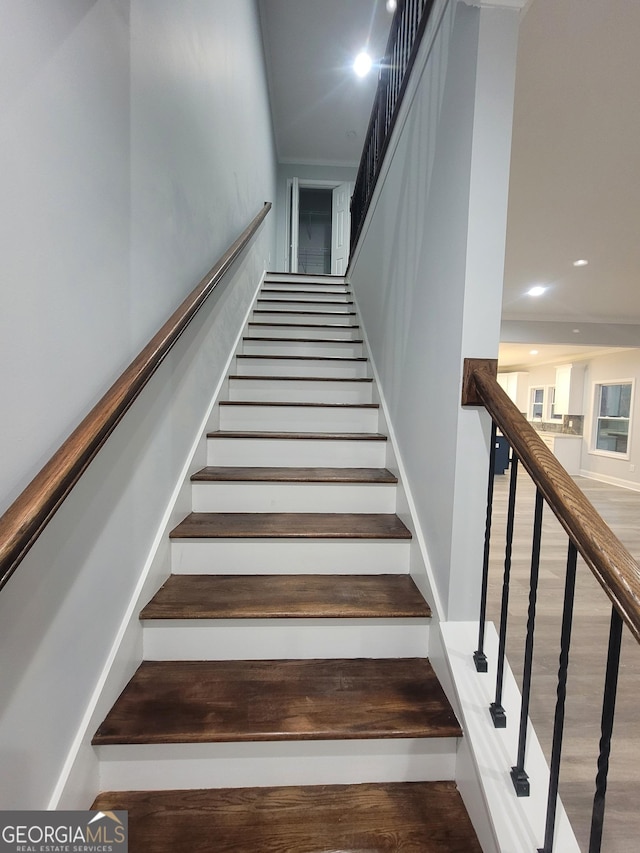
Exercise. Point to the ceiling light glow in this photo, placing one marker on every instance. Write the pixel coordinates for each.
(362, 64)
(533, 352)
(538, 290)
(391, 5)
(581, 262)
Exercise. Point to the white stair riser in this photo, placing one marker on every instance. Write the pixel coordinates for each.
(296, 453)
(314, 290)
(300, 299)
(239, 765)
(274, 639)
(298, 419)
(290, 556)
(317, 318)
(293, 497)
(300, 391)
(295, 330)
(272, 302)
(301, 367)
(304, 280)
(344, 348)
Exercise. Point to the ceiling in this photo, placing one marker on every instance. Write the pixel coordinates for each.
(575, 168)
(514, 357)
(320, 108)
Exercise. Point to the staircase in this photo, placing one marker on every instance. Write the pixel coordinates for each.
(286, 702)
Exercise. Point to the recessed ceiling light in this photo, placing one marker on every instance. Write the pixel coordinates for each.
(538, 290)
(392, 5)
(362, 64)
(533, 352)
(581, 262)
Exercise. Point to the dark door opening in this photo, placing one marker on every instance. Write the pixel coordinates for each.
(314, 231)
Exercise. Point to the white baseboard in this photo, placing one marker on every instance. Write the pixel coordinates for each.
(518, 823)
(612, 481)
(81, 772)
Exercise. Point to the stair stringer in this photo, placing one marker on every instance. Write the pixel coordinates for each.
(76, 784)
(467, 771)
(485, 755)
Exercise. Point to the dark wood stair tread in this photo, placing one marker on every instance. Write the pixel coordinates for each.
(361, 379)
(330, 358)
(295, 436)
(280, 325)
(273, 700)
(253, 338)
(299, 313)
(287, 597)
(299, 404)
(412, 817)
(239, 474)
(290, 525)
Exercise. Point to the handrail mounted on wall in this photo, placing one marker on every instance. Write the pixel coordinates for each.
(26, 518)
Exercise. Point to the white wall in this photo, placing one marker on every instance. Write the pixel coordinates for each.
(65, 206)
(136, 144)
(612, 368)
(306, 172)
(427, 274)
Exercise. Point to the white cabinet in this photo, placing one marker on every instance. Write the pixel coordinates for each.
(516, 386)
(569, 395)
(566, 448)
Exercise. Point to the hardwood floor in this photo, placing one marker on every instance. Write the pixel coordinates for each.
(621, 509)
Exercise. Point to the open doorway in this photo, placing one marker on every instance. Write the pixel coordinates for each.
(318, 223)
(314, 231)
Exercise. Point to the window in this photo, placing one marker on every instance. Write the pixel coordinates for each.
(613, 417)
(552, 402)
(537, 403)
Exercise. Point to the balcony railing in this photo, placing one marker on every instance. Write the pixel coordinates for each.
(407, 28)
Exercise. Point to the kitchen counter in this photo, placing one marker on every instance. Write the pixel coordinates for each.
(566, 448)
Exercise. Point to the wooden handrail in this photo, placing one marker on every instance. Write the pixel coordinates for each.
(26, 518)
(611, 563)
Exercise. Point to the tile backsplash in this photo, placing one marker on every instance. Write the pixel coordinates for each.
(570, 425)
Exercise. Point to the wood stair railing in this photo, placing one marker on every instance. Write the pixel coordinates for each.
(27, 517)
(611, 564)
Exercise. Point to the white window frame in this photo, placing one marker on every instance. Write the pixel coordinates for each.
(532, 391)
(550, 395)
(594, 450)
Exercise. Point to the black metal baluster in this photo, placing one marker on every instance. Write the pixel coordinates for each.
(518, 775)
(497, 711)
(558, 723)
(606, 728)
(479, 657)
